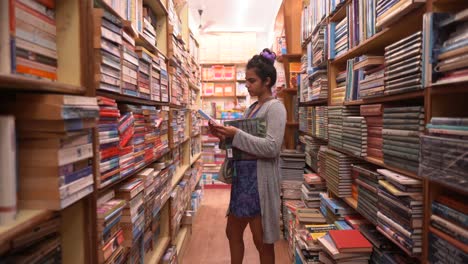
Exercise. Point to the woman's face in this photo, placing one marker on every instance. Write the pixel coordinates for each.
(254, 84)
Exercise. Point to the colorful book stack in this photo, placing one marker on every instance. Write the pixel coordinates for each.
(107, 42)
(311, 188)
(448, 230)
(344, 246)
(126, 132)
(319, 44)
(374, 120)
(321, 122)
(139, 145)
(163, 185)
(303, 122)
(383, 6)
(55, 148)
(176, 85)
(108, 141)
(318, 85)
(339, 38)
(355, 135)
(147, 176)
(148, 24)
(289, 221)
(177, 127)
(133, 216)
(304, 63)
(400, 215)
(110, 234)
(130, 65)
(402, 127)
(403, 65)
(322, 162)
(312, 146)
(339, 173)
(156, 79)
(367, 191)
(351, 93)
(145, 59)
(40, 243)
(334, 209)
(450, 46)
(335, 123)
(371, 71)
(164, 79)
(162, 129)
(338, 93)
(308, 248)
(441, 150)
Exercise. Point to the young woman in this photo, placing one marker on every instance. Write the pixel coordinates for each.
(255, 191)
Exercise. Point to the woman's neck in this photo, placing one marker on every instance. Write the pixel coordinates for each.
(264, 97)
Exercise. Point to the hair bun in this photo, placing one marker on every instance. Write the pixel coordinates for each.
(268, 56)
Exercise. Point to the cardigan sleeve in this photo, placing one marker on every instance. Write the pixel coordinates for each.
(270, 146)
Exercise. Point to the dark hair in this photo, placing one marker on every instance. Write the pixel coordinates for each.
(263, 65)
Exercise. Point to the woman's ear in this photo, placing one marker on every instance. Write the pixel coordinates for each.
(268, 82)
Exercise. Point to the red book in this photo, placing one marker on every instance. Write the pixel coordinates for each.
(356, 220)
(350, 241)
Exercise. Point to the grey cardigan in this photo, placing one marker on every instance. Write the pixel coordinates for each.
(268, 173)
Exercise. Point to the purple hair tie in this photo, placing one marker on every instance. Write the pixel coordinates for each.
(269, 56)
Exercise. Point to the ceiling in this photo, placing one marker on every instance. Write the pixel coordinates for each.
(235, 15)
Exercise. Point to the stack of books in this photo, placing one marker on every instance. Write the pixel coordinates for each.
(441, 150)
(40, 243)
(149, 25)
(372, 70)
(374, 121)
(291, 189)
(130, 65)
(162, 129)
(335, 5)
(311, 188)
(306, 216)
(338, 172)
(338, 93)
(355, 135)
(321, 122)
(164, 80)
(176, 85)
(126, 132)
(110, 234)
(339, 45)
(400, 215)
(334, 209)
(138, 139)
(312, 146)
(163, 185)
(367, 191)
(402, 127)
(403, 65)
(148, 178)
(54, 149)
(318, 85)
(304, 63)
(343, 246)
(292, 165)
(151, 119)
(322, 162)
(107, 42)
(383, 6)
(290, 223)
(156, 79)
(108, 141)
(177, 127)
(448, 229)
(133, 215)
(145, 62)
(319, 46)
(336, 114)
(33, 39)
(304, 122)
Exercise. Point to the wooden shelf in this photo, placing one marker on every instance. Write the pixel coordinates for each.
(195, 158)
(25, 219)
(223, 96)
(217, 186)
(449, 88)
(141, 41)
(314, 102)
(219, 81)
(339, 13)
(403, 28)
(395, 242)
(289, 90)
(171, 105)
(159, 250)
(388, 98)
(445, 185)
(194, 86)
(17, 83)
(121, 98)
(351, 202)
(181, 237)
(178, 175)
(314, 136)
(292, 124)
(158, 7)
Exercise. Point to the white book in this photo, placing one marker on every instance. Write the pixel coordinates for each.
(8, 173)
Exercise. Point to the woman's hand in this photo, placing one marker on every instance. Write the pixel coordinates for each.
(213, 130)
(226, 131)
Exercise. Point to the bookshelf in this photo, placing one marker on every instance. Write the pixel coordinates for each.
(438, 99)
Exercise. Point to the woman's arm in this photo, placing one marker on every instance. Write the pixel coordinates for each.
(270, 146)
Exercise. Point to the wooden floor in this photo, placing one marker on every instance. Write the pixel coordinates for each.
(209, 245)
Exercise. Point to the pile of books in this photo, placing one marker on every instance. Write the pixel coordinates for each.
(338, 172)
(178, 200)
(448, 229)
(156, 79)
(110, 233)
(441, 150)
(304, 122)
(292, 165)
(107, 45)
(321, 122)
(312, 146)
(311, 188)
(402, 127)
(138, 139)
(339, 45)
(372, 69)
(374, 121)
(145, 62)
(336, 115)
(108, 141)
(338, 93)
(151, 119)
(308, 248)
(291, 189)
(55, 148)
(322, 162)
(343, 246)
(403, 65)
(130, 66)
(400, 215)
(126, 131)
(177, 127)
(367, 180)
(164, 79)
(318, 85)
(290, 208)
(355, 135)
(148, 25)
(133, 215)
(163, 185)
(40, 243)
(334, 209)
(306, 216)
(319, 44)
(148, 178)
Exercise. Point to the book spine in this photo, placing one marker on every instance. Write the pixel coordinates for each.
(450, 214)
(8, 172)
(70, 155)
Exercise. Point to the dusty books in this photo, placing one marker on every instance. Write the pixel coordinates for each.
(292, 165)
(367, 182)
(312, 146)
(311, 188)
(336, 114)
(370, 71)
(145, 62)
(374, 121)
(355, 135)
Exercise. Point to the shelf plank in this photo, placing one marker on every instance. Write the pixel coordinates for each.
(25, 219)
(449, 88)
(387, 98)
(219, 81)
(17, 83)
(194, 86)
(314, 102)
(158, 7)
(128, 99)
(178, 175)
(339, 13)
(181, 236)
(289, 90)
(159, 250)
(292, 124)
(195, 158)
